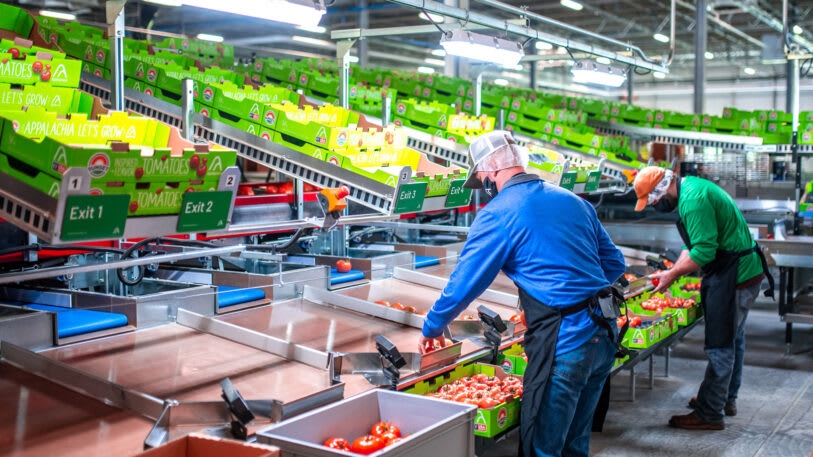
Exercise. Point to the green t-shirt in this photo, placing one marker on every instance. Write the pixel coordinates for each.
(714, 222)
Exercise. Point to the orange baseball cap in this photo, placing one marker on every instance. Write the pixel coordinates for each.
(645, 182)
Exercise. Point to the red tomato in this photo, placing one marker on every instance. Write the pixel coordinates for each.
(382, 428)
(655, 282)
(397, 305)
(245, 191)
(410, 309)
(487, 402)
(271, 189)
(286, 188)
(338, 443)
(367, 444)
(343, 266)
(383, 303)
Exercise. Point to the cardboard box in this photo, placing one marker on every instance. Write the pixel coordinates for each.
(487, 422)
(204, 446)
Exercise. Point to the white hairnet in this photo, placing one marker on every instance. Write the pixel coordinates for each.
(494, 151)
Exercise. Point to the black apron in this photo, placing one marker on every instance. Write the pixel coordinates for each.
(718, 292)
(540, 345)
(543, 324)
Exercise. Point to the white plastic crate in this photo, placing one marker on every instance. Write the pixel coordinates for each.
(435, 427)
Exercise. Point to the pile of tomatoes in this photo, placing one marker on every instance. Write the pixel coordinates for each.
(656, 303)
(481, 390)
(382, 434)
(400, 306)
(691, 286)
(635, 321)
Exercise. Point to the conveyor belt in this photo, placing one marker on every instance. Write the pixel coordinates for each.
(423, 261)
(72, 322)
(231, 296)
(337, 277)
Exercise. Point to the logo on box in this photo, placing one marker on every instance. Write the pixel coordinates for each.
(98, 165)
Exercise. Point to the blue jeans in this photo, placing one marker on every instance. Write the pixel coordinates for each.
(571, 394)
(723, 377)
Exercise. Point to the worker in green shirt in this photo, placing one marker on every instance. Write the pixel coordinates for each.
(717, 240)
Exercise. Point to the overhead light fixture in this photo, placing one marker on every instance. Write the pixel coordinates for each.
(435, 62)
(661, 37)
(439, 52)
(436, 18)
(501, 82)
(312, 28)
(485, 48)
(603, 60)
(589, 72)
(571, 4)
(708, 55)
(207, 37)
(296, 12)
(58, 15)
(749, 71)
(426, 70)
(658, 75)
(542, 46)
(797, 30)
(165, 2)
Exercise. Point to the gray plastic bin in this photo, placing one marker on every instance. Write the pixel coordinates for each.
(435, 427)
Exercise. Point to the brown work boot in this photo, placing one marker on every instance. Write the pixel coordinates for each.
(692, 421)
(730, 408)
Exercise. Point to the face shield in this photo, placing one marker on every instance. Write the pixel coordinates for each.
(494, 151)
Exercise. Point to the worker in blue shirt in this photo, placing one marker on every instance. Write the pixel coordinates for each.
(551, 244)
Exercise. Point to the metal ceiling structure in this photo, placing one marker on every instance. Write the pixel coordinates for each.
(740, 33)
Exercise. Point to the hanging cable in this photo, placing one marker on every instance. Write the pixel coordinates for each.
(158, 240)
(429, 18)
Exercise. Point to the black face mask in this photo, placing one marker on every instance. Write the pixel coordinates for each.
(664, 205)
(490, 187)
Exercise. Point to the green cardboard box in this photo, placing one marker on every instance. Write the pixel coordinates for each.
(56, 72)
(488, 422)
(117, 147)
(61, 100)
(512, 361)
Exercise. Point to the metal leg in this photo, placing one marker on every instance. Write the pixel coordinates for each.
(666, 358)
(632, 383)
(652, 371)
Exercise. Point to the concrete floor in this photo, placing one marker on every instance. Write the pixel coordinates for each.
(775, 416)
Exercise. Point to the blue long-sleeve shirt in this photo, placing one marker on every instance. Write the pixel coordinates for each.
(549, 242)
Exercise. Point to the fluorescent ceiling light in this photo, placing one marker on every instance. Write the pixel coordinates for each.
(501, 82)
(658, 75)
(661, 37)
(426, 70)
(542, 46)
(481, 47)
(314, 41)
(436, 62)
(797, 30)
(603, 60)
(589, 72)
(439, 52)
(571, 4)
(749, 71)
(708, 55)
(312, 28)
(207, 37)
(296, 12)
(436, 18)
(58, 15)
(166, 2)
